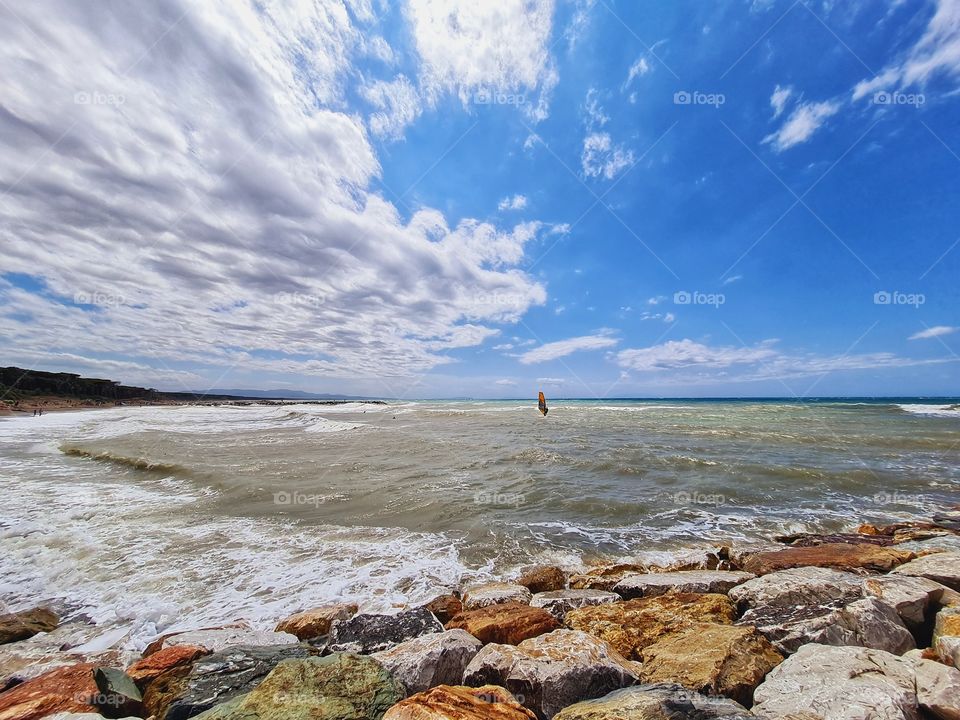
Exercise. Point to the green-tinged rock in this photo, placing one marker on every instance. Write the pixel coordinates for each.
(118, 694)
(342, 686)
(660, 701)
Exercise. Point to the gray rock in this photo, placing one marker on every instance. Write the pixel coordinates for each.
(948, 650)
(819, 682)
(430, 660)
(806, 586)
(368, 633)
(655, 702)
(552, 671)
(118, 694)
(222, 638)
(694, 581)
(481, 596)
(909, 596)
(559, 602)
(938, 689)
(940, 543)
(942, 567)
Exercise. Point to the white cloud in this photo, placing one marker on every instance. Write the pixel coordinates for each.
(601, 157)
(505, 382)
(933, 332)
(517, 202)
(732, 279)
(550, 381)
(778, 101)
(686, 353)
(398, 106)
(562, 348)
(802, 123)
(638, 69)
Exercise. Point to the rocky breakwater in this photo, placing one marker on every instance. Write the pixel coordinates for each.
(856, 625)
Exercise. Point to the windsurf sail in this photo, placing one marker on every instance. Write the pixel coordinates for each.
(542, 404)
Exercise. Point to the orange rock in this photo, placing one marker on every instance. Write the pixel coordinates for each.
(445, 607)
(605, 576)
(153, 666)
(543, 578)
(313, 623)
(839, 556)
(66, 689)
(509, 623)
(444, 702)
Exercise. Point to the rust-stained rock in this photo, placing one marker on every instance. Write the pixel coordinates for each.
(605, 577)
(65, 689)
(480, 596)
(315, 622)
(543, 578)
(445, 607)
(510, 623)
(714, 659)
(632, 625)
(445, 702)
(839, 556)
(153, 666)
(25, 624)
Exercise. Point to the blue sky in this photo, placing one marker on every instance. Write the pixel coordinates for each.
(428, 199)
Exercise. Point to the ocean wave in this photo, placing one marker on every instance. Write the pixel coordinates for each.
(141, 464)
(951, 410)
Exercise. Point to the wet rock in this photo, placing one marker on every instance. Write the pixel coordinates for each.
(559, 602)
(825, 683)
(798, 587)
(153, 666)
(445, 607)
(337, 687)
(26, 624)
(431, 660)
(488, 702)
(605, 577)
(810, 539)
(510, 623)
(690, 581)
(368, 633)
(943, 567)
(660, 701)
(65, 689)
(316, 622)
(714, 659)
(903, 529)
(543, 578)
(938, 689)
(632, 625)
(939, 543)
(948, 519)
(118, 695)
(910, 596)
(839, 556)
(189, 690)
(481, 596)
(549, 672)
(160, 642)
(221, 638)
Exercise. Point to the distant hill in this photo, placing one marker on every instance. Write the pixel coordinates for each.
(281, 394)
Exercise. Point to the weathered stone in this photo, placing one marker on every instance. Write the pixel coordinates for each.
(25, 624)
(559, 602)
(713, 659)
(632, 625)
(481, 596)
(118, 695)
(840, 556)
(833, 683)
(810, 539)
(510, 623)
(222, 638)
(489, 702)
(161, 641)
(153, 666)
(431, 660)
(909, 596)
(189, 690)
(65, 689)
(798, 587)
(549, 672)
(940, 543)
(367, 633)
(543, 578)
(605, 577)
(947, 650)
(316, 622)
(337, 687)
(947, 623)
(944, 568)
(660, 701)
(938, 689)
(445, 607)
(690, 581)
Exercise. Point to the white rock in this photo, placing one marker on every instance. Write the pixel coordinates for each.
(909, 596)
(559, 602)
(219, 639)
(481, 596)
(798, 586)
(948, 649)
(695, 581)
(430, 660)
(942, 567)
(938, 689)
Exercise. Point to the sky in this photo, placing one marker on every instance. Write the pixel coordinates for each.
(431, 198)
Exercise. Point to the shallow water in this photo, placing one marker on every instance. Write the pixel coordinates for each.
(165, 517)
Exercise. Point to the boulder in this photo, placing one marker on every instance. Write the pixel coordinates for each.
(460, 703)
(445, 607)
(118, 695)
(833, 683)
(660, 701)
(559, 602)
(947, 650)
(946, 623)
(481, 596)
(510, 623)
(605, 577)
(943, 567)
(810, 539)
(937, 543)
(368, 633)
(689, 581)
(153, 666)
(159, 642)
(543, 578)
(430, 660)
(188, 690)
(632, 625)
(314, 623)
(713, 659)
(798, 587)
(839, 556)
(938, 689)
(337, 687)
(25, 624)
(65, 689)
(866, 623)
(218, 639)
(909, 596)
(549, 672)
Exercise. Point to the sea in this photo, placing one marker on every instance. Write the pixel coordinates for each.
(156, 519)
